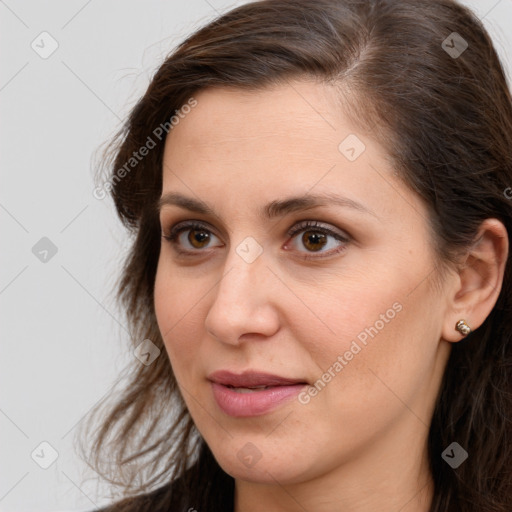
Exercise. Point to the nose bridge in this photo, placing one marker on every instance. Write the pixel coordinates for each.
(241, 304)
(244, 273)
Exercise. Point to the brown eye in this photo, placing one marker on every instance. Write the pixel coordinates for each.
(198, 238)
(315, 237)
(313, 240)
(189, 237)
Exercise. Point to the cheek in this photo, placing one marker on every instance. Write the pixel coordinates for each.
(375, 320)
(382, 361)
(176, 307)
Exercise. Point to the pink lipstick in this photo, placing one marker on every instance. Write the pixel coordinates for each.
(252, 393)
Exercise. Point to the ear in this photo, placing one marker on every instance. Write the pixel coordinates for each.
(478, 281)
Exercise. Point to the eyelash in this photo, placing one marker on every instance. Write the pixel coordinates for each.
(303, 226)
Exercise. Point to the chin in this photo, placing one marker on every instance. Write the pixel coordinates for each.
(265, 466)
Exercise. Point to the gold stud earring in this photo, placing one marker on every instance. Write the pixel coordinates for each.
(463, 327)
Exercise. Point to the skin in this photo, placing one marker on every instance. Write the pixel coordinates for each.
(361, 443)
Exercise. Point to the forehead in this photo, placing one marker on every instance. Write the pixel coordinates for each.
(231, 115)
(291, 139)
(293, 125)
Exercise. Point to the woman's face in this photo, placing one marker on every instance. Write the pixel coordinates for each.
(311, 267)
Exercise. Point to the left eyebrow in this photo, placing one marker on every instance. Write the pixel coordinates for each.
(275, 208)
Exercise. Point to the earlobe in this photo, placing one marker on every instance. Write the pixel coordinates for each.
(480, 278)
(463, 327)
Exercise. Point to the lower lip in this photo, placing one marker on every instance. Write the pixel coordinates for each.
(253, 403)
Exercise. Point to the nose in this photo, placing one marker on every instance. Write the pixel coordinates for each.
(244, 305)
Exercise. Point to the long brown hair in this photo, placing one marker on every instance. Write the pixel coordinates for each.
(427, 82)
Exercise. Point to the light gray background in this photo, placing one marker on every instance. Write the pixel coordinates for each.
(62, 335)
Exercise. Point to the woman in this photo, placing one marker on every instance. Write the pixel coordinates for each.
(319, 284)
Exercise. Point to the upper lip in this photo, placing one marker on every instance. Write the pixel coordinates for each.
(250, 379)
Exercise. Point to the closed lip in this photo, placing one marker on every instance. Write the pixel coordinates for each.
(251, 378)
